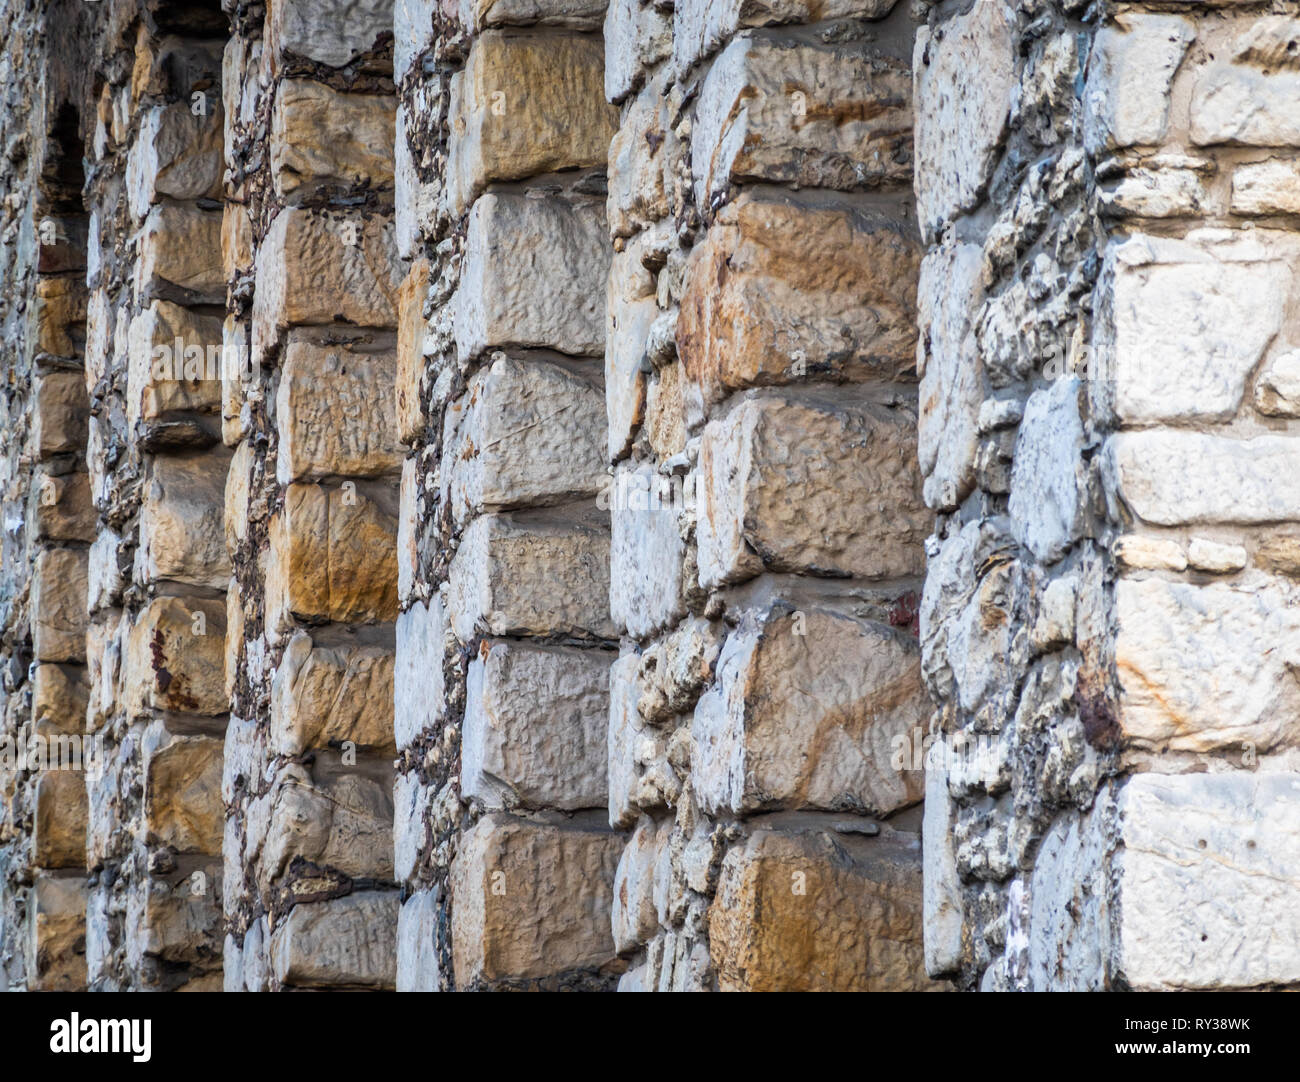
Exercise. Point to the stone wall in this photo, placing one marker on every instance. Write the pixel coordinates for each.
(649, 494)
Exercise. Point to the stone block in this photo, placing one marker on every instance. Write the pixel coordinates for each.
(176, 363)
(418, 941)
(60, 508)
(1130, 77)
(182, 792)
(418, 681)
(176, 154)
(638, 170)
(322, 697)
(344, 823)
(778, 293)
(1249, 95)
(60, 695)
(182, 536)
(770, 501)
(348, 942)
(330, 32)
(180, 247)
(175, 658)
(59, 823)
(808, 115)
(1267, 187)
(650, 573)
(335, 413)
(58, 317)
(808, 711)
(535, 574)
(802, 913)
(526, 104)
(176, 923)
(548, 300)
(525, 433)
(320, 137)
(59, 413)
(531, 901)
(56, 935)
(410, 351)
(535, 727)
(58, 605)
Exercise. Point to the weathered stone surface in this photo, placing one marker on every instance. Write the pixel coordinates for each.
(779, 292)
(648, 567)
(331, 32)
(335, 411)
(60, 694)
(527, 432)
(59, 413)
(182, 792)
(176, 363)
(821, 117)
(952, 379)
(1267, 187)
(1049, 481)
(176, 657)
(345, 823)
(58, 605)
(1216, 558)
(1182, 327)
(501, 301)
(418, 967)
(842, 691)
(575, 14)
(798, 913)
(526, 105)
(175, 923)
(332, 556)
(56, 935)
(1204, 878)
(348, 942)
(180, 246)
(1070, 906)
(410, 351)
(1171, 478)
(767, 503)
(324, 696)
(181, 530)
(637, 36)
(1242, 692)
(961, 122)
(1250, 96)
(639, 774)
(176, 154)
(1277, 393)
(531, 900)
(638, 180)
(536, 574)
(635, 918)
(535, 727)
(320, 136)
(60, 509)
(631, 311)
(418, 684)
(1130, 75)
(59, 824)
(941, 889)
(320, 268)
(58, 320)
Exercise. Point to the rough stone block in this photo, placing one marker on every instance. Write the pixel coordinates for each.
(60, 695)
(531, 901)
(1049, 479)
(769, 502)
(808, 711)
(348, 942)
(1130, 76)
(182, 792)
(324, 696)
(344, 823)
(320, 136)
(56, 935)
(59, 412)
(526, 105)
(549, 300)
(175, 657)
(1267, 187)
(330, 32)
(182, 536)
(535, 574)
(418, 967)
(410, 351)
(60, 508)
(535, 727)
(802, 913)
(526, 432)
(58, 319)
(335, 413)
(1250, 94)
(59, 824)
(638, 170)
(418, 682)
(811, 115)
(180, 247)
(175, 154)
(176, 363)
(58, 605)
(649, 571)
(177, 923)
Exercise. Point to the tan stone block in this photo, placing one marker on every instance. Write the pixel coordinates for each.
(176, 657)
(182, 793)
(638, 185)
(239, 481)
(812, 115)
(61, 508)
(234, 638)
(345, 824)
(525, 105)
(335, 412)
(59, 316)
(181, 246)
(236, 418)
(176, 153)
(665, 418)
(333, 556)
(526, 432)
(778, 293)
(348, 942)
(530, 900)
(808, 913)
(410, 351)
(236, 240)
(56, 935)
(58, 605)
(323, 696)
(182, 537)
(60, 410)
(319, 135)
(631, 310)
(59, 824)
(549, 300)
(175, 363)
(60, 695)
(176, 922)
(319, 268)
(807, 712)
(530, 575)
(784, 485)
(535, 727)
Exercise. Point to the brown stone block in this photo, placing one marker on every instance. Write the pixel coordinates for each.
(60, 410)
(56, 935)
(60, 316)
(182, 792)
(61, 508)
(182, 537)
(176, 657)
(58, 605)
(59, 831)
(410, 350)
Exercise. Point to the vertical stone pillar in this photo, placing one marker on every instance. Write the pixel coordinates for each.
(767, 520)
(157, 569)
(1108, 319)
(311, 497)
(48, 521)
(504, 644)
